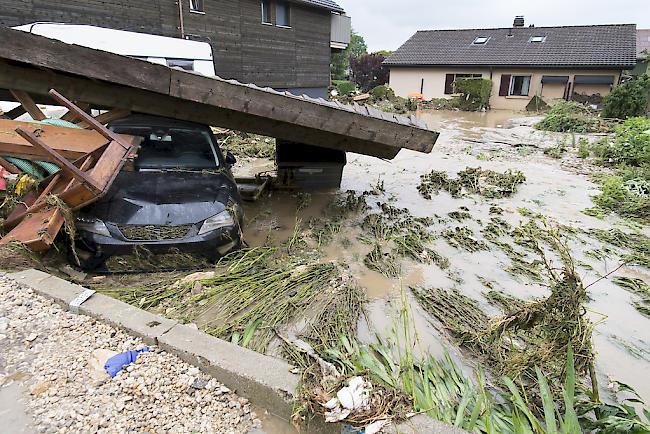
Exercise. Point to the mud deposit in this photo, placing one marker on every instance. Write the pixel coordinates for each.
(557, 188)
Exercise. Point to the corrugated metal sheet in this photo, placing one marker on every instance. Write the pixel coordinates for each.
(410, 121)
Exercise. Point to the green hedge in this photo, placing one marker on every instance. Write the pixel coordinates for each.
(476, 92)
(344, 87)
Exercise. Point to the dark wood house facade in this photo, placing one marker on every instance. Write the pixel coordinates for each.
(276, 43)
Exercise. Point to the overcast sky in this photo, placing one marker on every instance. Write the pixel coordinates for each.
(387, 24)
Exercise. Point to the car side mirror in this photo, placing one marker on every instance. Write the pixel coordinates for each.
(230, 159)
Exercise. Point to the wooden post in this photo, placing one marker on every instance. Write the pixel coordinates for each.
(28, 104)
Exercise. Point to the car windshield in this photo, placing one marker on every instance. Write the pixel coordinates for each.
(172, 148)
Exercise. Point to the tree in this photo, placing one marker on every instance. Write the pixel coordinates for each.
(385, 53)
(368, 71)
(340, 66)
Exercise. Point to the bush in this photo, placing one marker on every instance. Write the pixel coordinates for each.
(344, 87)
(382, 92)
(476, 92)
(628, 198)
(628, 100)
(368, 71)
(571, 117)
(630, 147)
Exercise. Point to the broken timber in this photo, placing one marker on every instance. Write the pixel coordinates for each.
(35, 64)
(35, 222)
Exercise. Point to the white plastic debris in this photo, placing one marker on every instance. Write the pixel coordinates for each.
(352, 398)
(376, 426)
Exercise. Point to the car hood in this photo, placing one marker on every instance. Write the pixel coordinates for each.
(164, 198)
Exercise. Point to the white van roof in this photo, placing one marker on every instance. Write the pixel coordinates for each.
(121, 42)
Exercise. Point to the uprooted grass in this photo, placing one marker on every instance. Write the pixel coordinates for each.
(463, 237)
(257, 289)
(396, 232)
(403, 383)
(637, 244)
(487, 183)
(638, 287)
(530, 334)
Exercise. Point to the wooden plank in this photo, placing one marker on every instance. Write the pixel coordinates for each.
(67, 167)
(229, 105)
(38, 82)
(108, 116)
(88, 119)
(71, 116)
(28, 104)
(9, 167)
(38, 231)
(70, 143)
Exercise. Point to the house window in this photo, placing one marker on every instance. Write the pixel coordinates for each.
(451, 78)
(537, 39)
(481, 40)
(282, 14)
(266, 12)
(519, 85)
(196, 5)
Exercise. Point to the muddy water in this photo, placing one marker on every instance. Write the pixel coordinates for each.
(555, 188)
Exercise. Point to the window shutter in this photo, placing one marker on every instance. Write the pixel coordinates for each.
(449, 84)
(504, 89)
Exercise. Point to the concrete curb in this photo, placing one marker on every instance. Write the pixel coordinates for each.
(266, 381)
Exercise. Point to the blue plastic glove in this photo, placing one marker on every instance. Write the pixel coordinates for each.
(118, 361)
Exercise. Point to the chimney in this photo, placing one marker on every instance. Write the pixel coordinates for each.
(519, 21)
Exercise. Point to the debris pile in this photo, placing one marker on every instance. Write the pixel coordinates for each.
(485, 182)
(97, 155)
(242, 144)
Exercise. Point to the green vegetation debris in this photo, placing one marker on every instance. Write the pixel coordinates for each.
(487, 183)
(637, 244)
(572, 117)
(638, 287)
(463, 237)
(531, 334)
(461, 214)
(382, 262)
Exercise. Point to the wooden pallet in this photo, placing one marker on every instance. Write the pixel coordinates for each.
(79, 183)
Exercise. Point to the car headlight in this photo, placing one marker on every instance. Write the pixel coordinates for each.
(92, 225)
(221, 220)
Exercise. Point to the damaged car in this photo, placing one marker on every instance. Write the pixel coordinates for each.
(178, 195)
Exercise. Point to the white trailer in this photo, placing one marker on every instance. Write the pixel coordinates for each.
(173, 52)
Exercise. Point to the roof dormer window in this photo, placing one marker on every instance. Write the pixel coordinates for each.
(537, 39)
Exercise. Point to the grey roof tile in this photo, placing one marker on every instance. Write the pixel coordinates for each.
(571, 46)
(326, 4)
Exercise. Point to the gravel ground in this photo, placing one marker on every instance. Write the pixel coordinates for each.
(49, 353)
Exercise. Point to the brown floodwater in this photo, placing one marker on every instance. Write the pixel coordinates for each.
(559, 189)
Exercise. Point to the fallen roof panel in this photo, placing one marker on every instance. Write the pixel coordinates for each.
(36, 64)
